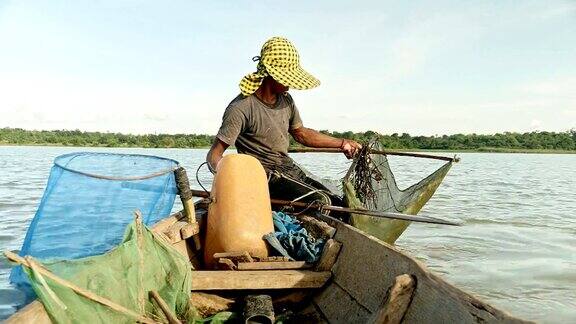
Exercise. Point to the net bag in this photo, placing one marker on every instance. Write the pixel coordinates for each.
(89, 200)
(125, 275)
(381, 193)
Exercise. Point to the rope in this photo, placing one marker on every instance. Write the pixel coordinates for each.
(198, 178)
(306, 195)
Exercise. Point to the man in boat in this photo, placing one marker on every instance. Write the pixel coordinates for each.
(260, 119)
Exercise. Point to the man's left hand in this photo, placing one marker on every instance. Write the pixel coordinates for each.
(350, 148)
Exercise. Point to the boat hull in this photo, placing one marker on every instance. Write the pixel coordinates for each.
(359, 290)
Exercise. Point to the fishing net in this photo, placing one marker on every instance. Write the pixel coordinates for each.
(370, 184)
(124, 276)
(89, 200)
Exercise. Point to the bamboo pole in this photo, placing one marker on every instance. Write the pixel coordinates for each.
(172, 319)
(186, 197)
(337, 150)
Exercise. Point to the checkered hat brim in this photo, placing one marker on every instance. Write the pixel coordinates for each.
(279, 59)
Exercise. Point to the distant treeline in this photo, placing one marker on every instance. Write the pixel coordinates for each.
(562, 141)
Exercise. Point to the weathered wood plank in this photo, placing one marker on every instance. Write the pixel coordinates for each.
(272, 279)
(226, 264)
(189, 230)
(329, 255)
(162, 225)
(173, 231)
(237, 256)
(397, 302)
(339, 307)
(243, 266)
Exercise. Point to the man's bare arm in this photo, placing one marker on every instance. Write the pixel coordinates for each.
(215, 154)
(313, 138)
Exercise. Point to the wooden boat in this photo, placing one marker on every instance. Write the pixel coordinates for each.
(358, 279)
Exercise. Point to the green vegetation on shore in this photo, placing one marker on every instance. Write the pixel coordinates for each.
(502, 142)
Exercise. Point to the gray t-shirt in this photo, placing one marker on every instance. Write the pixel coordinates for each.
(260, 130)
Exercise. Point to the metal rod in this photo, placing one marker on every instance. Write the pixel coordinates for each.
(373, 213)
(337, 150)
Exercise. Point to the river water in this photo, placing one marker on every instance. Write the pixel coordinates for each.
(516, 251)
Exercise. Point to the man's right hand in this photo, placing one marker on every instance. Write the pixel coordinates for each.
(350, 148)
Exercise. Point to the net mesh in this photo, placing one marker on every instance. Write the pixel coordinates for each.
(373, 186)
(90, 199)
(125, 275)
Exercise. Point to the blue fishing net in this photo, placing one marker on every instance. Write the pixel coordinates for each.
(89, 200)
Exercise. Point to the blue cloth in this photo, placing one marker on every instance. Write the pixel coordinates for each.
(292, 240)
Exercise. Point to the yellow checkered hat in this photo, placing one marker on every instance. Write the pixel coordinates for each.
(280, 60)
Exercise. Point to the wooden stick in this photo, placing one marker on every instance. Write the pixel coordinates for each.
(80, 291)
(396, 305)
(172, 319)
(33, 265)
(337, 150)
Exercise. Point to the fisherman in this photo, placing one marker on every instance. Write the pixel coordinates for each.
(259, 120)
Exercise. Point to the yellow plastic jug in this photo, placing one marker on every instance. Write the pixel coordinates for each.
(240, 213)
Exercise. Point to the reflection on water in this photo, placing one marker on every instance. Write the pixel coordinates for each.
(517, 249)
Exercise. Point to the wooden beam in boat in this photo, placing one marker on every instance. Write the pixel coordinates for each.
(190, 230)
(397, 302)
(329, 255)
(274, 265)
(272, 279)
(173, 231)
(162, 225)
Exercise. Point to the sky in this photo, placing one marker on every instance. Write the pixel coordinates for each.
(418, 67)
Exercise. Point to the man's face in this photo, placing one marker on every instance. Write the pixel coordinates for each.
(278, 87)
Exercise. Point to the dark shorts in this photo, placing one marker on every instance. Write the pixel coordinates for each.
(294, 184)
